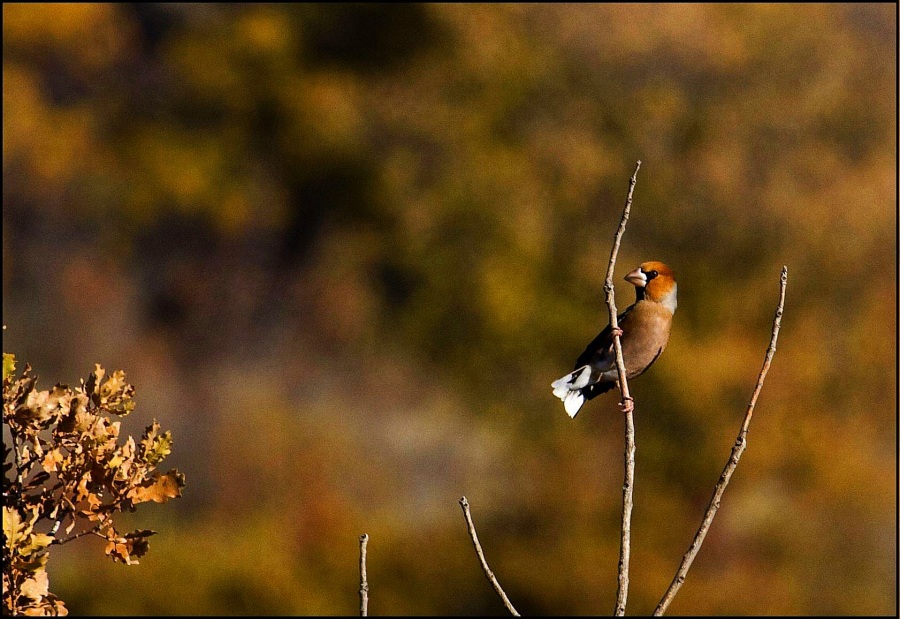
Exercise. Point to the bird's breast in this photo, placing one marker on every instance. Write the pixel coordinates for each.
(645, 336)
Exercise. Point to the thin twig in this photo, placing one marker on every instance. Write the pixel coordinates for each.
(739, 445)
(26, 466)
(363, 583)
(464, 503)
(17, 455)
(627, 407)
(65, 540)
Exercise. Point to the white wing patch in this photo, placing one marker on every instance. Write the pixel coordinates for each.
(568, 389)
(573, 403)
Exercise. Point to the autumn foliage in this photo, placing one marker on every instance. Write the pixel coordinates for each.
(363, 239)
(66, 475)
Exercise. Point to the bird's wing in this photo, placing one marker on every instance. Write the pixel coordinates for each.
(599, 352)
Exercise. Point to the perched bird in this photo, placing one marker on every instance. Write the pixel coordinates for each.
(644, 333)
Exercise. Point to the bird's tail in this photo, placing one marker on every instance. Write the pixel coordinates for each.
(569, 389)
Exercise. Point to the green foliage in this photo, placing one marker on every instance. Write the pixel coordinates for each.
(9, 365)
(65, 471)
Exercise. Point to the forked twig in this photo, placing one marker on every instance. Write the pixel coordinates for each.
(627, 407)
(464, 503)
(736, 451)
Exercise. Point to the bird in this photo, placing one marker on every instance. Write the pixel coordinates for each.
(644, 332)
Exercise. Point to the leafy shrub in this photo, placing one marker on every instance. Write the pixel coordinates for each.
(66, 476)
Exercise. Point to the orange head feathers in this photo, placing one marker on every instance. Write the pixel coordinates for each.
(655, 281)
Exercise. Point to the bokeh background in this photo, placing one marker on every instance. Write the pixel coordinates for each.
(342, 252)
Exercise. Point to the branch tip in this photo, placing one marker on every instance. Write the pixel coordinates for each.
(484, 566)
(363, 581)
(740, 445)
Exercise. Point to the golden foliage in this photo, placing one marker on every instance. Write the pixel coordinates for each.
(364, 239)
(66, 469)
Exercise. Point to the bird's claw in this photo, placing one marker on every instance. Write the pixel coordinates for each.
(617, 332)
(627, 405)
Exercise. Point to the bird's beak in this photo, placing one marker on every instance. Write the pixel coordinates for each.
(637, 278)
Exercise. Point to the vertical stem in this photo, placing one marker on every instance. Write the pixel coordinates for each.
(363, 583)
(627, 506)
(627, 406)
(17, 455)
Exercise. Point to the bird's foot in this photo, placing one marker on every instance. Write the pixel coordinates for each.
(617, 332)
(627, 405)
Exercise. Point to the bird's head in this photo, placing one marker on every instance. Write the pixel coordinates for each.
(655, 281)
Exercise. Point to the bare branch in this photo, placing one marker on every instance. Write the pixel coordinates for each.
(627, 407)
(65, 540)
(464, 503)
(363, 583)
(736, 451)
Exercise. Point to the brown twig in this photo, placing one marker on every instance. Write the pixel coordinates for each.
(363, 582)
(464, 503)
(66, 540)
(17, 455)
(627, 407)
(739, 445)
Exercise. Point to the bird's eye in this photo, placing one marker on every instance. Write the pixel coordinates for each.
(652, 274)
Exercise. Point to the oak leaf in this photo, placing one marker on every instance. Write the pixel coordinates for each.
(37, 586)
(160, 489)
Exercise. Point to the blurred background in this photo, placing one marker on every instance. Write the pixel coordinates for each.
(343, 250)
